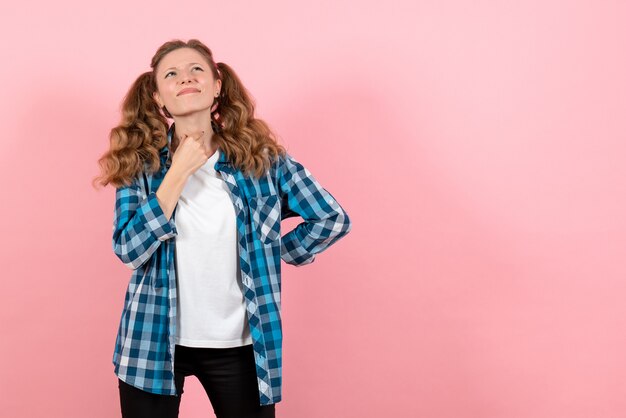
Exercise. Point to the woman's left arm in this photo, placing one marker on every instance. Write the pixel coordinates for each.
(325, 221)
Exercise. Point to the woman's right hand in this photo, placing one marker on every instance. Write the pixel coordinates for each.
(187, 157)
(190, 154)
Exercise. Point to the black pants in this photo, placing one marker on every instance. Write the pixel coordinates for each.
(228, 376)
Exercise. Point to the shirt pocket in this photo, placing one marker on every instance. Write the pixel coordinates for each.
(265, 214)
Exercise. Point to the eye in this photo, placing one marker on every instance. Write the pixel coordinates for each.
(198, 67)
(166, 74)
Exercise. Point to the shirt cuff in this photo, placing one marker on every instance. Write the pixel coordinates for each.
(293, 252)
(155, 220)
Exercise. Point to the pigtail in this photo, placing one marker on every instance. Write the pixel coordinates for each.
(135, 142)
(248, 141)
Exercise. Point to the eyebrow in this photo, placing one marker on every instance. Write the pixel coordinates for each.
(191, 63)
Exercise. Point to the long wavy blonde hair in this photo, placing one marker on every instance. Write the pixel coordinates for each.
(135, 143)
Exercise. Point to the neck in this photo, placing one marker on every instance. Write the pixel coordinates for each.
(193, 124)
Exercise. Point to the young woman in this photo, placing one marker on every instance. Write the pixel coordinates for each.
(198, 207)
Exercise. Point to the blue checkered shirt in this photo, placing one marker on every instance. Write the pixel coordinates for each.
(144, 240)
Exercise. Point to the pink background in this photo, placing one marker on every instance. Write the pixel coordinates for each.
(478, 148)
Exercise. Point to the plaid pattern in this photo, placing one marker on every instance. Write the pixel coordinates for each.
(142, 240)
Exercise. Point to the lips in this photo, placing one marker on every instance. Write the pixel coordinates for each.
(187, 91)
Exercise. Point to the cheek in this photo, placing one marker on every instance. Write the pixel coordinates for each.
(167, 92)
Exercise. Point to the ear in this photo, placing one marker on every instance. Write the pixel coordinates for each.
(157, 98)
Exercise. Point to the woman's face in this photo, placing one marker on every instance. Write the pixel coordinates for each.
(185, 82)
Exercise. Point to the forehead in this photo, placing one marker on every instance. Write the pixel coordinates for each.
(181, 57)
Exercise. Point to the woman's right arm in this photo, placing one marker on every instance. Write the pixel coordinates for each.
(170, 190)
(139, 226)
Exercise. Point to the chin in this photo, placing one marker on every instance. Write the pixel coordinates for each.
(191, 111)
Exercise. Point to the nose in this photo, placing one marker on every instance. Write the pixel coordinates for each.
(185, 76)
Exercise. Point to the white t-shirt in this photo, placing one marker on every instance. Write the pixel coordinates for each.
(211, 306)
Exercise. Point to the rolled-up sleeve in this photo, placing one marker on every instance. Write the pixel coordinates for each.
(139, 225)
(325, 220)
